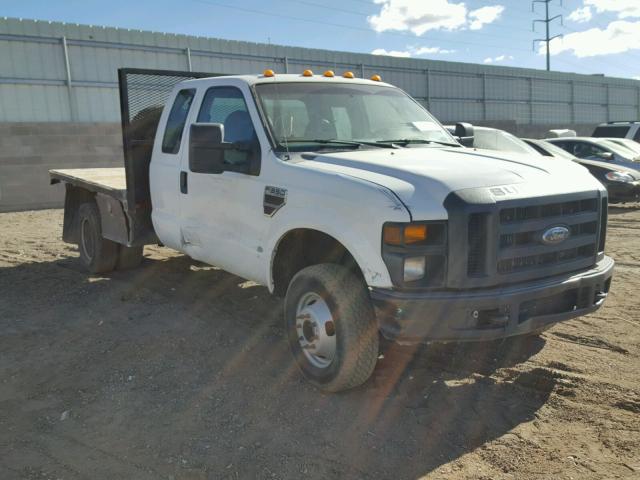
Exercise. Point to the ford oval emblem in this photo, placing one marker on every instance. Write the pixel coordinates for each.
(555, 235)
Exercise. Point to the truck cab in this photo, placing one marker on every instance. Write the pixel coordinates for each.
(351, 200)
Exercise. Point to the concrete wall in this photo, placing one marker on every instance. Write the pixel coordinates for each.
(58, 72)
(29, 150)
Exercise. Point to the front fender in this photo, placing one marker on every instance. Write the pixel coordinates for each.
(357, 226)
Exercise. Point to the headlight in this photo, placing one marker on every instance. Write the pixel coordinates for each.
(399, 234)
(415, 253)
(414, 268)
(620, 177)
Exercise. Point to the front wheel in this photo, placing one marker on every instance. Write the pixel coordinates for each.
(331, 327)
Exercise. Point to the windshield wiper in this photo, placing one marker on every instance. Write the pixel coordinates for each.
(407, 141)
(350, 143)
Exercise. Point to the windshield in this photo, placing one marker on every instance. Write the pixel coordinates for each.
(493, 139)
(626, 143)
(611, 131)
(556, 151)
(618, 149)
(308, 116)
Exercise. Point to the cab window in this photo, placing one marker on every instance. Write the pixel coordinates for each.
(226, 105)
(176, 121)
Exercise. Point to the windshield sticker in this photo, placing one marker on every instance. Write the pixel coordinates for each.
(425, 126)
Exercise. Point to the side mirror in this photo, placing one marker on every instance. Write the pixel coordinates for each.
(206, 151)
(464, 133)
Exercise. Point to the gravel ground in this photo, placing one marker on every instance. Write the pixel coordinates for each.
(177, 370)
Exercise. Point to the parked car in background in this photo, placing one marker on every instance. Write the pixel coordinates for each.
(619, 130)
(626, 143)
(598, 149)
(623, 184)
(494, 139)
(561, 132)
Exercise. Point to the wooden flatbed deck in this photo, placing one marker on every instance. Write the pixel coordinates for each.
(110, 181)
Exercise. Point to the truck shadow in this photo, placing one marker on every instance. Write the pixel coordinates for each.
(213, 368)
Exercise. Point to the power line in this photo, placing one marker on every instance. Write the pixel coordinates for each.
(547, 20)
(350, 27)
(367, 30)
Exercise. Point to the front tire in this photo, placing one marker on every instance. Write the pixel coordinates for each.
(97, 254)
(331, 327)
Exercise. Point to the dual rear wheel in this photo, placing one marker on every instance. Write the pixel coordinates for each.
(97, 254)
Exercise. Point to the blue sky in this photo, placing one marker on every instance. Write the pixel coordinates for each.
(600, 36)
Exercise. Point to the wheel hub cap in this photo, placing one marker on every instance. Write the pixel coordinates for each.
(316, 330)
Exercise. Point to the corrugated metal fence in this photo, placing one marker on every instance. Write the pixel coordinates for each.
(62, 72)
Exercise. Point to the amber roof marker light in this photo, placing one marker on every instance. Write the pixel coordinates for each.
(329, 73)
(376, 78)
(348, 75)
(307, 73)
(269, 73)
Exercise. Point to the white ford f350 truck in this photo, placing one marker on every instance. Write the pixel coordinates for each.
(348, 198)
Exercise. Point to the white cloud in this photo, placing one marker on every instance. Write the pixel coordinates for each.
(413, 51)
(623, 8)
(619, 37)
(420, 16)
(482, 16)
(432, 51)
(636, 78)
(391, 53)
(498, 59)
(581, 15)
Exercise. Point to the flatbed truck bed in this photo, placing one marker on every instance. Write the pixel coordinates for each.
(108, 181)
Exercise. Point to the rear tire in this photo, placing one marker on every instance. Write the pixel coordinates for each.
(331, 327)
(129, 257)
(97, 254)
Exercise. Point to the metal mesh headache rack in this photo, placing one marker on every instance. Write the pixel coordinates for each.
(143, 94)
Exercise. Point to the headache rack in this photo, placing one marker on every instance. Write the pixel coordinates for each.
(143, 94)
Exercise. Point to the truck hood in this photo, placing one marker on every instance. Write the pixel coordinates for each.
(423, 177)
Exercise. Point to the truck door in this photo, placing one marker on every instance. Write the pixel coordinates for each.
(165, 167)
(222, 213)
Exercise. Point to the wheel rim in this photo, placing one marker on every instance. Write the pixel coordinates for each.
(87, 239)
(316, 330)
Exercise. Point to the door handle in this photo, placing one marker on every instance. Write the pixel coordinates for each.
(183, 182)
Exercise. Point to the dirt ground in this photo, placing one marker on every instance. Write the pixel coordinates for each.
(180, 371)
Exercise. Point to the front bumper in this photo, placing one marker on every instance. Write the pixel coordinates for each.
(623, 192)
(491, 313)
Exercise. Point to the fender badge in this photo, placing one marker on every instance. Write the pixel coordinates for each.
(274, 199)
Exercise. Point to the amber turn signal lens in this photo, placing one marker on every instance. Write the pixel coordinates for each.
(415, 233)
(392, 235)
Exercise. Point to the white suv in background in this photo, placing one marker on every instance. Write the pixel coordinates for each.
(629, 130)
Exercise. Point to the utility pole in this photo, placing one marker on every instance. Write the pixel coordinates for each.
(546, 22)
